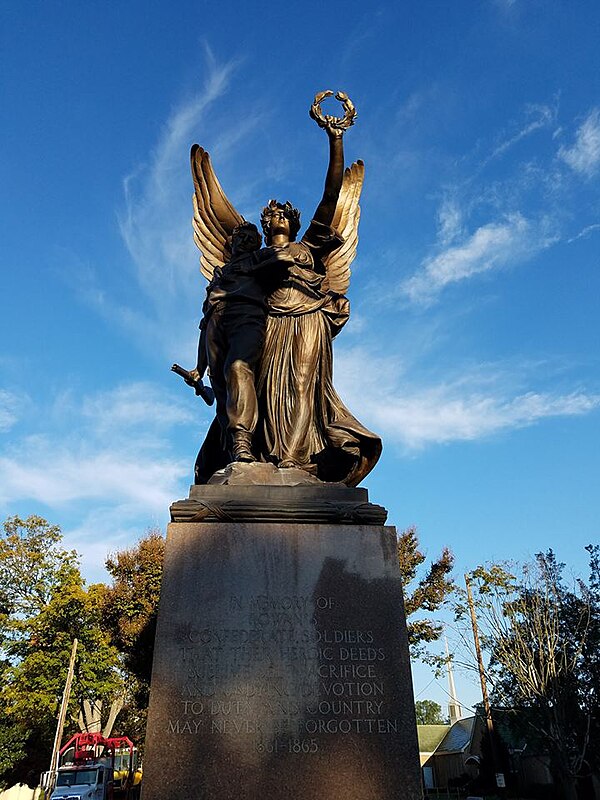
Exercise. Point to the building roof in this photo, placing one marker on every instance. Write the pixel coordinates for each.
(458, 737)
(430, 736)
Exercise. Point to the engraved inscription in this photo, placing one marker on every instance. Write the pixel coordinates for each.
(283, 677)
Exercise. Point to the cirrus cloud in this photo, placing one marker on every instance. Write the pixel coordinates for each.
(584, 155)
(10, 405)
(510, 240)
(480, 403)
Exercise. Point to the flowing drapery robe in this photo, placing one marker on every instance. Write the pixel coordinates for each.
(302, 420)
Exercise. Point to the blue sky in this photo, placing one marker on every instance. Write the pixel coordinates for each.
(473, 345)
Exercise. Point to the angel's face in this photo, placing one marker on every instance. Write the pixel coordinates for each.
(280, 223)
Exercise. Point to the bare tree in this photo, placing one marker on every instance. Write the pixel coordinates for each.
(539, 635)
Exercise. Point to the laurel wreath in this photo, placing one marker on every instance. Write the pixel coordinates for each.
(328, 120)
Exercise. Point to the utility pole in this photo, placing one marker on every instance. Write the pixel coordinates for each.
(62, 714)
(500, 782)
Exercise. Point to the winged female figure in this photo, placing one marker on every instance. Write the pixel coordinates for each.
(270, 317)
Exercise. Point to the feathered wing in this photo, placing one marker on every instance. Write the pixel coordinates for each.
(214, 217)
(345, 221)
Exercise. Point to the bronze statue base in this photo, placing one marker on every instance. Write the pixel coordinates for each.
(259, 492)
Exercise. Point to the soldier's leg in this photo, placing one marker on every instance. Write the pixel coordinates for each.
(246, 332)
(242, 409)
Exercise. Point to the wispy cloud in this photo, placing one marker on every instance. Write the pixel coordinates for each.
(10, 404)
(103, 456)
(450, 221)
(472, 407)
(440, 415)
(134, 405)
(103, 464)
(119, 453)
(105, 529)
(43, 470)
(155, 224)
(155, 220)
(585, 232)
(495, 244)
(539, 116)
(104, 496)
(484, 224)
(584, 155)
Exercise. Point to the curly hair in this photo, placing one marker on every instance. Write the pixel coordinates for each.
(250, 227)
(290, 212)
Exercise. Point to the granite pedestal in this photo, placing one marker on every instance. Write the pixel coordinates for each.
(281, 666)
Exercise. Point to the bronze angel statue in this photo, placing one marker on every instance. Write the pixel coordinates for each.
(270, 315)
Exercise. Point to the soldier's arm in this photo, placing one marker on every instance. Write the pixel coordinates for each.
(202, 359)
(273, 258)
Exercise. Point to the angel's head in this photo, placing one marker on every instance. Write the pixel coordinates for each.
(280, 218)
(245, 238)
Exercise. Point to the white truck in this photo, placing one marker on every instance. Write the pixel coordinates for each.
(92, 767)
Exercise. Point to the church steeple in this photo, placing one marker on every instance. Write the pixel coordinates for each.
(454, 707)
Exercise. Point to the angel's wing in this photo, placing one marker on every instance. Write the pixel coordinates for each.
(214, 217)
(345, 221)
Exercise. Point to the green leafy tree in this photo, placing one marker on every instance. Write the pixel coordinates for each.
(423, 595)
(32, 561)
(543, 639)
(47, 606)
(13, 740)
(429, 712)
(129, 609)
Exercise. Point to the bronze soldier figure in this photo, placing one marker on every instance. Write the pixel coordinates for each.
(232, 333)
